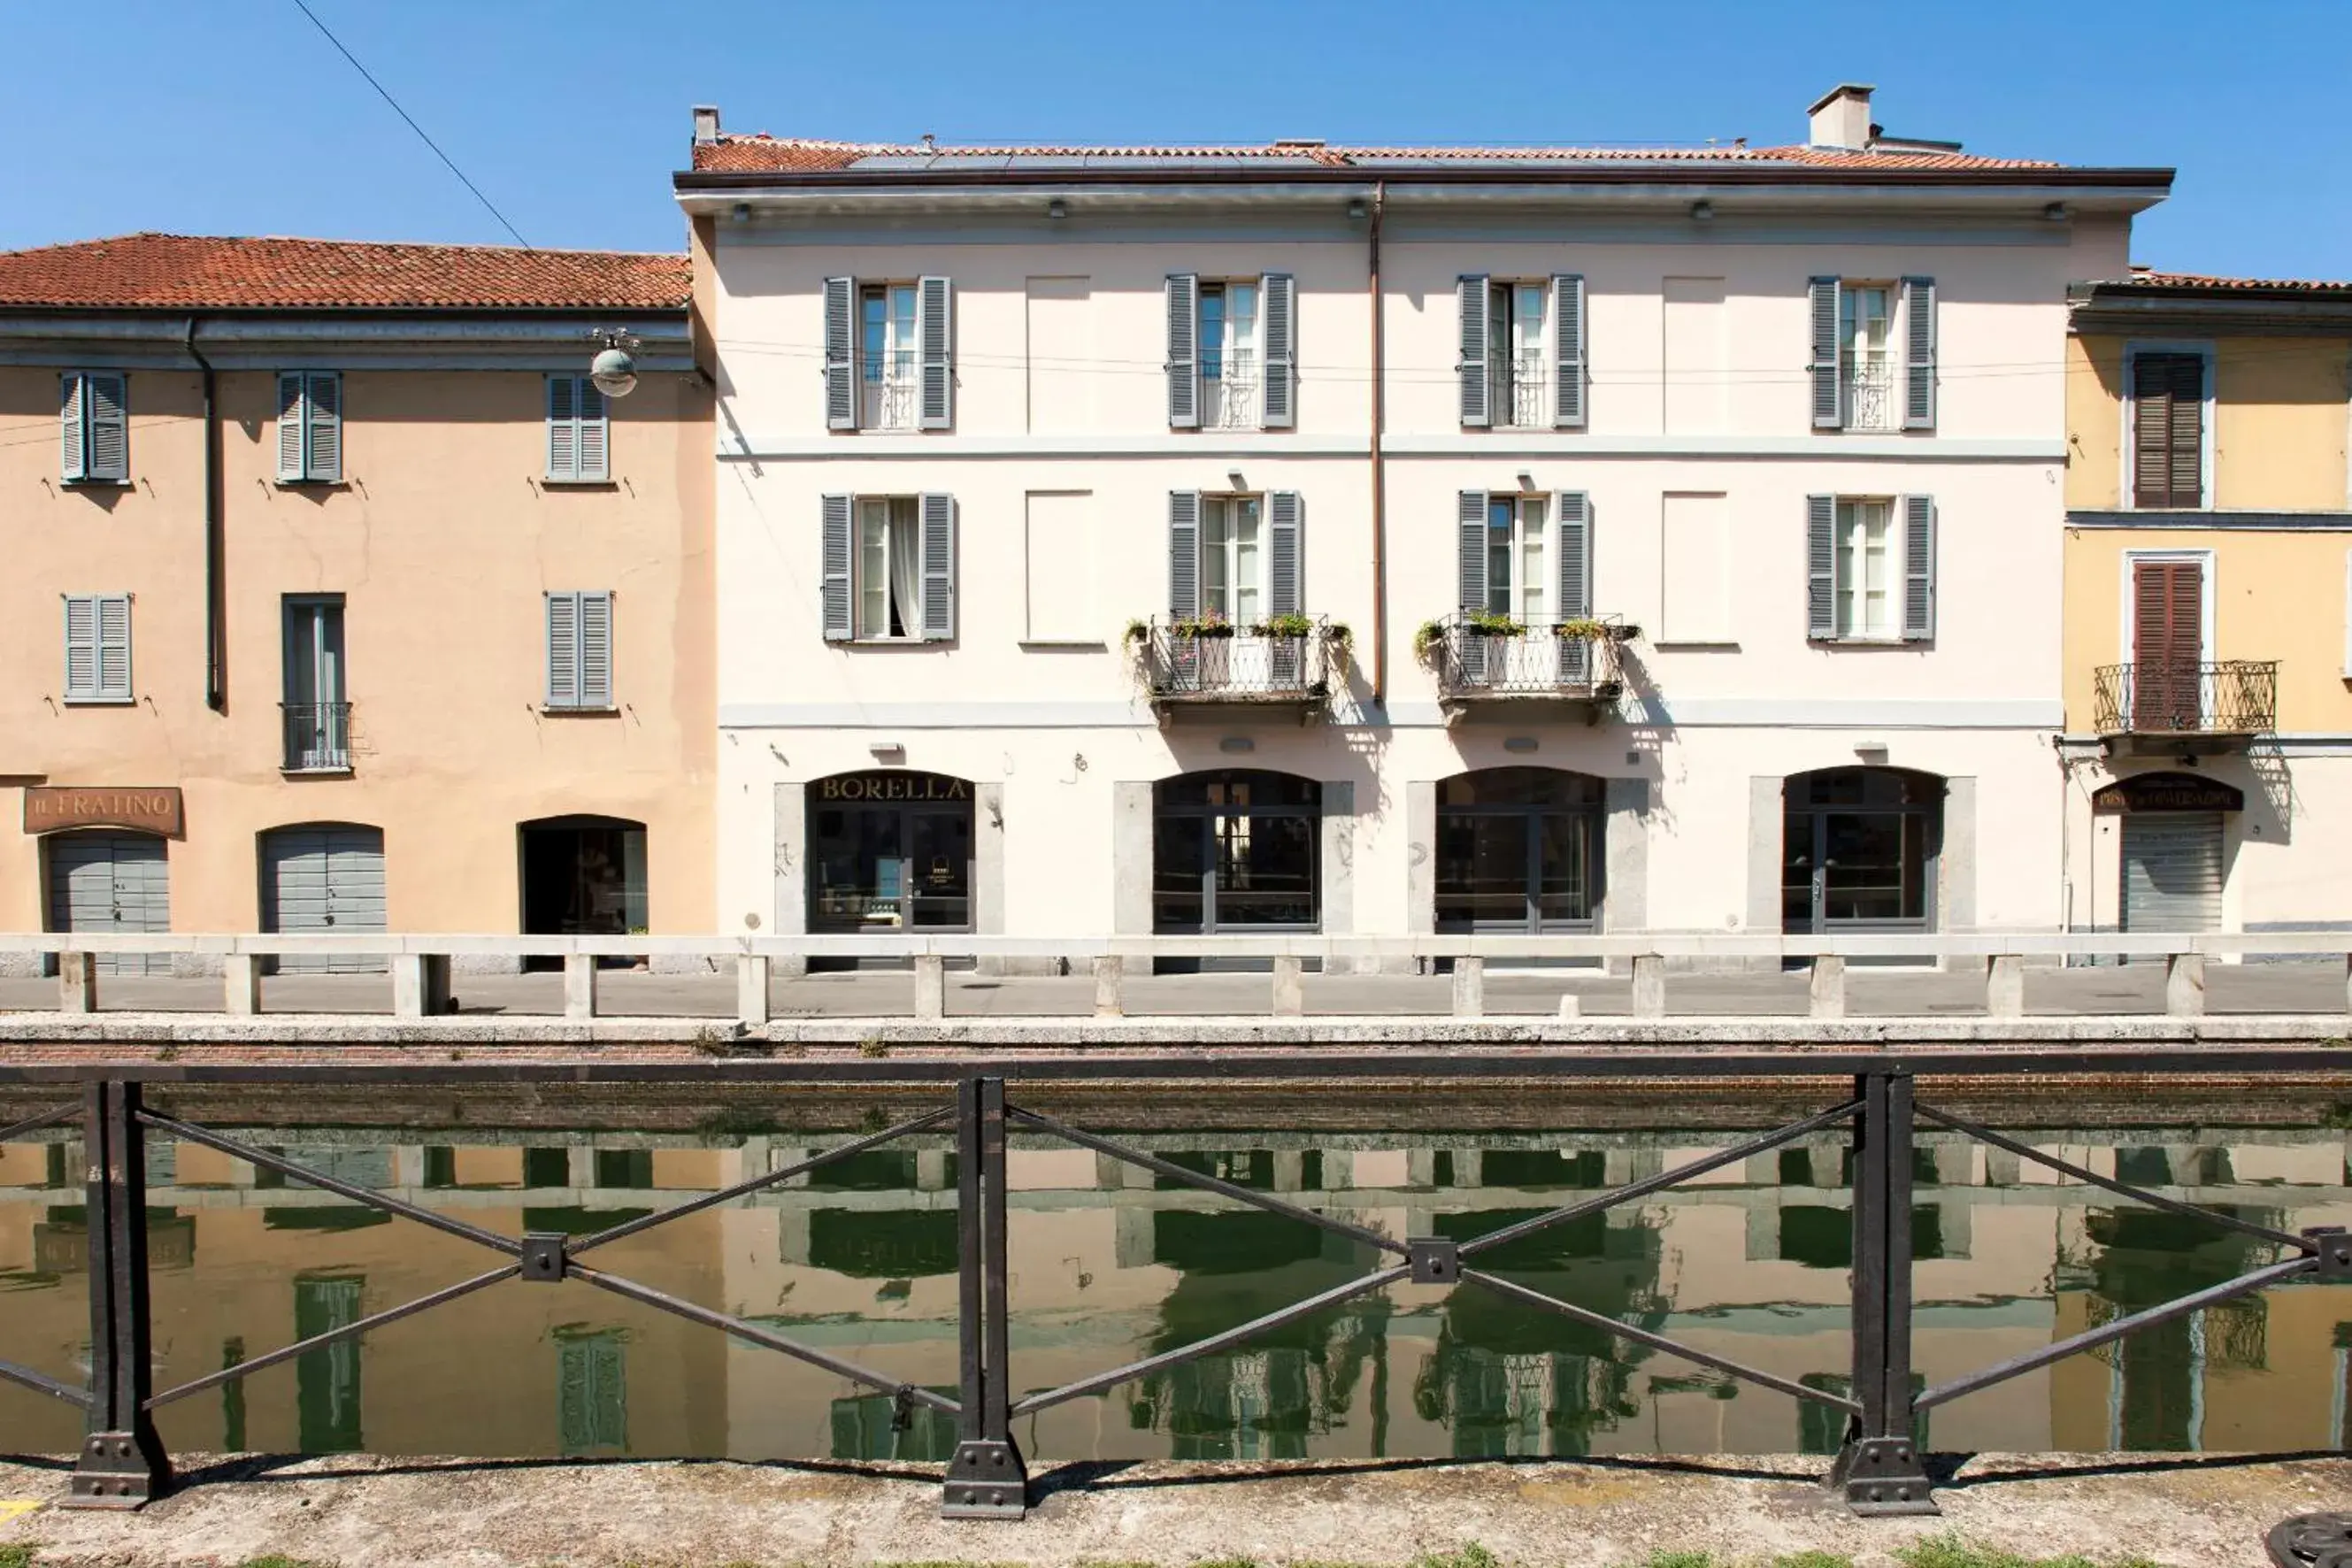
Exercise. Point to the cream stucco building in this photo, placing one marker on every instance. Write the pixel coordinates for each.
(1376, 541)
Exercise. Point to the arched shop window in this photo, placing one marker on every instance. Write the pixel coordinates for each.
(1237, 849)
(1859, 848)
(889, 851)
(1519, 849)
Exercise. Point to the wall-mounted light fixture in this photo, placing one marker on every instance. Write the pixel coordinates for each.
(1702, 211)
(1237, 743)
(2056, 212)
(615, 367)
(888, 751)
(1520, 743)
(1057, 209)
(1356, 208)
(743, 213)
(1235, 476)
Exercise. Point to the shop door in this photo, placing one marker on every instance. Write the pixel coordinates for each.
(2172, 871)
(111, 882)
(324, 880)
(938, 874)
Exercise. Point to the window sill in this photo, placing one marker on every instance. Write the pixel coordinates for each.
(891, 642)
(311, 484)
(1858, 642)
(343, 773)
(1706, 645)
(1081, 645)
(96, 484)
(101, 701)
(578, 710)
(554, 484)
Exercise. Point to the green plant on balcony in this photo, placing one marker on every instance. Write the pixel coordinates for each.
(1427, 639)
(1584, 628)
(1139, 631)
(1212, 623)
(1288, 624)
(1493, 624)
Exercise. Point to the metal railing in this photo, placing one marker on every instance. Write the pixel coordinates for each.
(892, 401)
(1231, 401)
(2230, 697)
(1869, 394)
(1535, 662)
(317, 737)
(1522, 391)
(1879, 1467)
(1237, 664)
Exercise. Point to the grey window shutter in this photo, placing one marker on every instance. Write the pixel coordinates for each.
(1919, 354)
(563, 428)
(1829, 405)
(1184, 555)
(82, 648)
(1183, 351)
(1821, 566)
(1277, 296)
(934, 332)
(594, 442)
(1575, 529)
(1470, 555)
(290, 445)
(109, 434)
(835, 569)
(1568, 374)
(74, 433)
(840, 340)
(563, 650)
(323, 415)
(1918, 568)
(1284, 593)
(937, 515)
(1478, 393)
(114, 647)
(596, 649)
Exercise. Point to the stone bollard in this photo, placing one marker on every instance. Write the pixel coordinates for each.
(752, 971)
(76, 983)
(1110, 986)
(1649, 985)
(2005, 985)
(1826, 986)
(242, 977)
(579, 986)
(420, 985)
(1289, 988)
(1570, 1004)
(930, 986)
(2184, 986)
(2347, 982)
(1469, 988)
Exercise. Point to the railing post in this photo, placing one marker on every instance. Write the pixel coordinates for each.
(241, 976)
(2184, 986)
(986, 1477)
(1649, 985)
(122, 1462)
(2005, 985)
(1110, 986)
(930, 986)
(1826, 986)
(1289, 987)
(1879, 1465)
(420, 985)
(579, 984)
(1469, 988)
(751, 972)
(2347, 982)
(76, 983)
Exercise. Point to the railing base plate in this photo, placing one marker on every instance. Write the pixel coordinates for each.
(119, 1470)
(1883, 1476)
(985, 1481)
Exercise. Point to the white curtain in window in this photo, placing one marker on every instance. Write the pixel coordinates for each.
(905, 571)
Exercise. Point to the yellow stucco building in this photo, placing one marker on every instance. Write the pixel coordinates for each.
(2208, 749)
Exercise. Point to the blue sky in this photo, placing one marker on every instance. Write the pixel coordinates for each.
(236, 117)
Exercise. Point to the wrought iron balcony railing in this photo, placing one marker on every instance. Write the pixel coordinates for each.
(1539, 661)
(317, 737)
(1869, 394)
(1522, 391)
(1187, 661)
(2234, 696)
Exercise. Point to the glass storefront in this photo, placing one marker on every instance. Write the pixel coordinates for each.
(1236, 850)
(890, 851)
(1519, 849)
(1858, 848)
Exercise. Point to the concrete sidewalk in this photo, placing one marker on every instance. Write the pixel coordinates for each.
(2183, 1511)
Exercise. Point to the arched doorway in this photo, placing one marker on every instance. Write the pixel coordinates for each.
(110, 882)
(323, 877)
(583, 876)
(1237, 849)
(889, 851)
(1858, 850)
(1519, 849)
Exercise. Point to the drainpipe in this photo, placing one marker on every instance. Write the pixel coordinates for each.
(1379, 473)
(215, 543)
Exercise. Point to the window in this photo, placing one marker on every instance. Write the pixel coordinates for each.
(1870, 566)
(1866, 330)
(1233, 559)
(98, 647)
(1237, 849)
(1874, 354)
(1229, 356)
(1868, 557)
(316, 717)
(1859, 847)
(578, 431)
(1231, 360)
(1523, 362)
(94, 418)
(2167, 430)
(888, 360)
(888, 568)
(592, 1391)
(309, 427)
(579, 651)
(1515, 356)
(1516, 553)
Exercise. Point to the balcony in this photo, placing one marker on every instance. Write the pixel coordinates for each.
(1214, 667)
(1487, 663)
(2174, 708)
(1869, 394)
(1522, 391)
(317, 737)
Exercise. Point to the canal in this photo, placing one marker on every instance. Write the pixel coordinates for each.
(1111, 1263)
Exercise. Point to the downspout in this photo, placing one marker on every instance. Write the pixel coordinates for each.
(1379, 472)
(216, 544)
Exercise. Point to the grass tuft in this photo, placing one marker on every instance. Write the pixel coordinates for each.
(1956, 1552)
(17, 1555)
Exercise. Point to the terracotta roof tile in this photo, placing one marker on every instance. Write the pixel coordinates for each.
(2248, 285)
(174, 271)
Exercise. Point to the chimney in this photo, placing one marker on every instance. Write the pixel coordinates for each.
(1841, 117)
(706, 124)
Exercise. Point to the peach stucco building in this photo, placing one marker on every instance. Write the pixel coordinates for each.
(339, 598)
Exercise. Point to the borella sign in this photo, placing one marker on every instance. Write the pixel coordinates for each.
(892, 786)
(52, 808)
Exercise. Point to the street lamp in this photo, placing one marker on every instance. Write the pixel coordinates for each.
(614, 368)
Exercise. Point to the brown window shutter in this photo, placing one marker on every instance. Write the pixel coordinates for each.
(2167, 430)
(2167, 644)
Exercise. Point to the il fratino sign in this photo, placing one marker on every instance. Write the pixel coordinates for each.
(50, 808)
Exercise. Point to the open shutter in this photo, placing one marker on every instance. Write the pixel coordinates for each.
(1184, 555)
(1829, 407)
(1820, 567)
(1470, 580)
(835, 569)
(1918, 568)
(82, 648)
(596, 649)
(1567, 352)
(1183, 351)
(938, 518)
(72, 433)
(110, 435)
(290, 445)
(1918, 354)
(1574, 532)
(1477, 394)
(1277, 296)
(563, 650)
(323, 394)
(563, 428)
(1284, 593)
(840, 330)
(595, 439)
(934, 334)
(114, 647)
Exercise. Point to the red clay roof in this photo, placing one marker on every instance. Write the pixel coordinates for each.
(765, 153)
(177, 271)
(2247, 285)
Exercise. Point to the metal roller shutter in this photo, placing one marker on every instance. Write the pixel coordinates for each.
(2172, 871)
(325, 880)
(117, 882)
